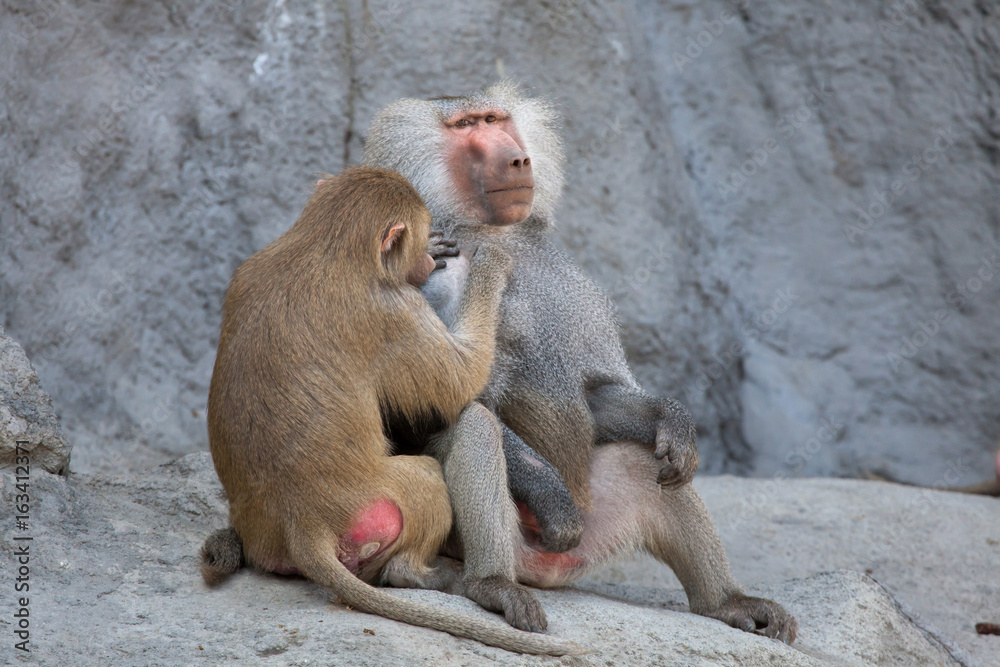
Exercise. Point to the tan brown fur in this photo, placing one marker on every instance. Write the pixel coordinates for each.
(320, 332)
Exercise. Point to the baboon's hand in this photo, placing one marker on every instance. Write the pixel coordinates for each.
(675, 441)
(757, 615)
(562, 532)
(517, 604)
(439, 247)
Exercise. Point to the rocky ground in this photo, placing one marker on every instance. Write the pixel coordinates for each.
(877, 574)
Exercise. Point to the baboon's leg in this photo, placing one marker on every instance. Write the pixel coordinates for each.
(475, 470)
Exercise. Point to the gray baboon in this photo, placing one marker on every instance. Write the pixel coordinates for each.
(488, 166)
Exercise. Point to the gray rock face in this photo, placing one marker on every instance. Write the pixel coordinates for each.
(114, 581)
(793, 206)
(28, 427)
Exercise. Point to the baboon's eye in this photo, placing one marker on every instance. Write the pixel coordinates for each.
(463, 122)
(491, 118)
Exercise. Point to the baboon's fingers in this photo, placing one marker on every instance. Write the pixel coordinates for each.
(788, 632)
(666, 443)
(682, 459)
(670, 478)
(437, 238)
(743, 622)
(438, 246)
(677, 421)
(774, 622)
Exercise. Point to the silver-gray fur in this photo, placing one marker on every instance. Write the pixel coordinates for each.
(423, 163)
(561, 381)
(476, 476)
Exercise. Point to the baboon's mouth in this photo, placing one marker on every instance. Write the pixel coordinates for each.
(511, 188)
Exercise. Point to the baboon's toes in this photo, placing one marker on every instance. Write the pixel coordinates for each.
(518, 604)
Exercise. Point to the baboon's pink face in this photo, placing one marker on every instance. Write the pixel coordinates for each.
(489, 166)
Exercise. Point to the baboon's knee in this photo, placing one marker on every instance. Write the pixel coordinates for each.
(476, 421)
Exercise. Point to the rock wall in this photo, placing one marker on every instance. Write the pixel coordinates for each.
(794, 207)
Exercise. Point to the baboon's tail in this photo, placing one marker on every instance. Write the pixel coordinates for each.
(318, 561)
(221, 556)
(988, 488)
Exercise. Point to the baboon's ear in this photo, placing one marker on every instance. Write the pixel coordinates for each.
(391, 236)
(321, 181)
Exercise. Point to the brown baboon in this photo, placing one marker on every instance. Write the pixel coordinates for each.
(488, 165)
(321, 331)
(990, 487)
